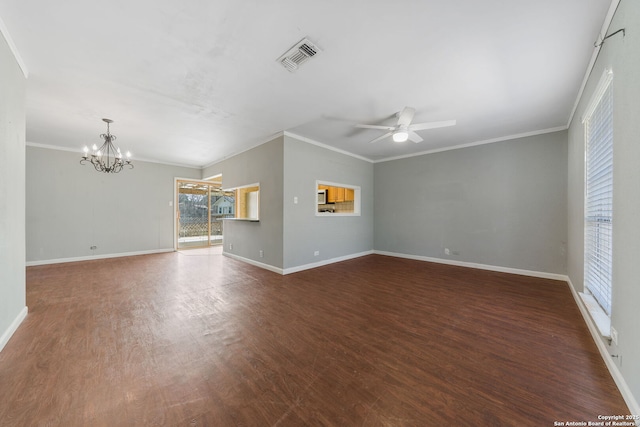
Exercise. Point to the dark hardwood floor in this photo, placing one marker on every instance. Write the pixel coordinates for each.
(198, 339)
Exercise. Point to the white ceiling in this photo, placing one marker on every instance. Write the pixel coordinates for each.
(193, 81)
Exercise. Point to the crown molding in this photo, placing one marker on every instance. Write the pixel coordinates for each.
(328, 147)
(473, 144)
(262, 141)
(12, 46)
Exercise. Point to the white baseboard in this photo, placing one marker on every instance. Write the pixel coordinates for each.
(4, 339)
(628, 397)
(252, 262)
(92, 257)
(540, 274)
(325, 262)
(299, 267)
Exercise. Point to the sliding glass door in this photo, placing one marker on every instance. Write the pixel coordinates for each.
(201, 207)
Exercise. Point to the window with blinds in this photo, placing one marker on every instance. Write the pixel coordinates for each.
(598, 232)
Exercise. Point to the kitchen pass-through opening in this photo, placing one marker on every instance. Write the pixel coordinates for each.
(334, 199)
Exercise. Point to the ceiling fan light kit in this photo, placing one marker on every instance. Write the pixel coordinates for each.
(404, 130)
(400, 136)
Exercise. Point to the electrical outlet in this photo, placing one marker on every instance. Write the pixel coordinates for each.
(316, 253)
(93, 248)
(295, 200)
(230, 246)
(447, 251)
(614, 335)
(261, 253)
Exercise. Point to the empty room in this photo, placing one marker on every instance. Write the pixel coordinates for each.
(296, 213)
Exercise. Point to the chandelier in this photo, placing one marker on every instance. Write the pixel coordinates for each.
(107, 158)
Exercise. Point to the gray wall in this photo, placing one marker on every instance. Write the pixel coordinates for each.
(333, 236)
(12, 197)
(71, 207)
(263, 164)
(501, 204)
(621, 55)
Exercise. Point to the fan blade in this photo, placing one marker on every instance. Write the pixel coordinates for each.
(406, 116)
(415, 137)
(432, 125)
(376, 127)
(386, 135)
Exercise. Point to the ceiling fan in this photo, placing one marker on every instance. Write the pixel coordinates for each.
(404, 129)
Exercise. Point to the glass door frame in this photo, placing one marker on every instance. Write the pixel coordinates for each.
(176, 209)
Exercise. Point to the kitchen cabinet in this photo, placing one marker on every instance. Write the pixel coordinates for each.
(331, 195)
(339, 194)
(335, 194)
(349, 195)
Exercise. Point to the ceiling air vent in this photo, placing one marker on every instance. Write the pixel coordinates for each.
(298, 55)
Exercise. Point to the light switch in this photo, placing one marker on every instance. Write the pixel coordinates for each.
(295, 200)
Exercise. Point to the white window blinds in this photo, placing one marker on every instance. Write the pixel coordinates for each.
(598, 233)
